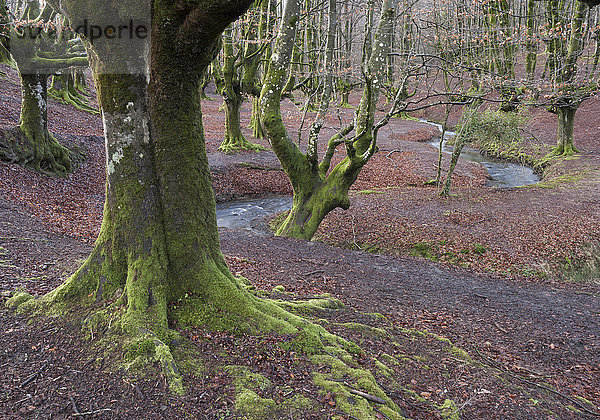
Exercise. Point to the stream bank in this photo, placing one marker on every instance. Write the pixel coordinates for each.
(246, 213)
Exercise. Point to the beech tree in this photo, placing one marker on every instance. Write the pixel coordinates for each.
(570, 89)
(4, 33)
(318, 189)
(69, 87)
(236, 73)
(159, 242)
(39, 50)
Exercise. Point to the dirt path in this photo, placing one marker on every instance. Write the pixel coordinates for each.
(552, 331)
(542, 330)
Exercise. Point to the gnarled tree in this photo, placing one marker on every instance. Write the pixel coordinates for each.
(159, 241)
(317, 189)
(236, 74)
(569, 90)
(39, 50)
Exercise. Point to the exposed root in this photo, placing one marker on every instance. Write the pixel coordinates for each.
(237, 144)
(562, 151)
(42, 153)
(75, 99)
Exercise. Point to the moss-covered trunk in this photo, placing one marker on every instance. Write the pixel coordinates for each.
(317, 190)
(68, 87)
(566, 118)
(233, 79)
(234, 138)
(313, 200)
(255, 124)
(39, 149)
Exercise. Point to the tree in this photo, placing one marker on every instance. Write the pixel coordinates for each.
(317, 190)
(4, 33)
(69, 87)
(159, 241)
(38, 50)
(236, 75)
(569, 91)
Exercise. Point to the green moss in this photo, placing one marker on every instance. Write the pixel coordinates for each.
(18, 299)
(193, 311)
(243, 377)
(306, 342)
(449, 411)
(390, 360)
(573, 409)
(559, 181)
(311, 305)
(368, 192)
(252, 406)
(425, 250)
(276, 222)
(140, 348)
(174, 379)
(383, 369)
(377, 332)
(359, 379)
(583, 400)
(249, 403)
(377, 316)
(459, 353)
(479, 249)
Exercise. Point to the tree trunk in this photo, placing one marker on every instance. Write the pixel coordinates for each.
(234, 138)
(314, 198)
(159, 241)
(227, 79)
(566, 117)
(255, 124)
(345, 103)
(65, 88)
(42, 152)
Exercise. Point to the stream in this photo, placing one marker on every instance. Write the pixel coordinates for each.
(246, 213)
(502, 174)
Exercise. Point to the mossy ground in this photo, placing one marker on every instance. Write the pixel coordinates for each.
(380, 368)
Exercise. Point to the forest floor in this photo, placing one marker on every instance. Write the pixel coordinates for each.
(533, 339)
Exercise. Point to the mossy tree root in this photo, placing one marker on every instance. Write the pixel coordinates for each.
(562, 150)
(39, 151)
(75, 99)
(68, 88)
(133, 313)
(239, 143)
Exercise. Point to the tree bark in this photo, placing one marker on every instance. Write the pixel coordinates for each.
(566, 118)
(32, 144)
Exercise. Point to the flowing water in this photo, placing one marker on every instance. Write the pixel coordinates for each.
(246, 213)
(502, 174)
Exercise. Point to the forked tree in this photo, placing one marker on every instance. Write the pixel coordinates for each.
(571, 85)
(318, 188)
(236, 72)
